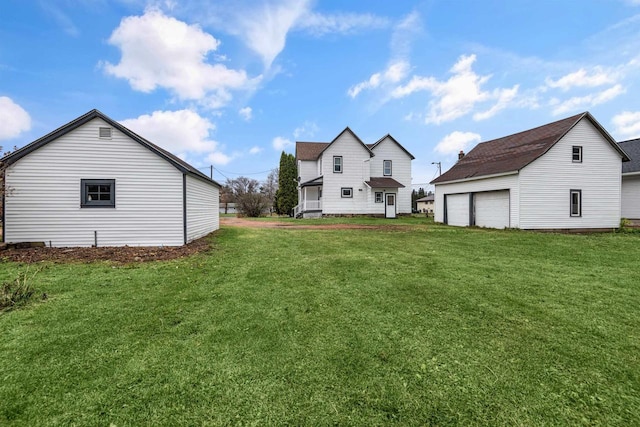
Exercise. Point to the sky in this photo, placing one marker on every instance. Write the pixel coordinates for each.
(233, 83)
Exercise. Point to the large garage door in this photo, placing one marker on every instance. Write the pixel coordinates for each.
(458, 209)
(492, 209)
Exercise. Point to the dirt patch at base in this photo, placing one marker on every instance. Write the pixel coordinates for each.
(118, 255)
(249, 223)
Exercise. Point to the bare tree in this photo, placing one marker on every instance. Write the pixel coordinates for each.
(249, 200)
(269, 189)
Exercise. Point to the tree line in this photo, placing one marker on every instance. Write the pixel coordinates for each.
(278, 193)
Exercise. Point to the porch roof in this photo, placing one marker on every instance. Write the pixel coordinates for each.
(312, 182)
(383, 182)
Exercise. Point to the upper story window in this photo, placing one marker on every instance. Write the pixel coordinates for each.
(98, 193)
(386, 168)
(575, 198)
(104, 132)
(337, 164)
(576, 154)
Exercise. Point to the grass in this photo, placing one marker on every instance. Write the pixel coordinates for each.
(429, 326)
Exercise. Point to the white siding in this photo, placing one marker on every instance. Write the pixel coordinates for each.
(491, 209)
(307, 170)
(203, 215)
(631, 197)
(458, 209)
(508, 182)
(45, 201)
(353, 176)
(545, 183)
(401, 172)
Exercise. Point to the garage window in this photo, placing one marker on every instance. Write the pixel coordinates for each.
(98, 193)
(576, 202)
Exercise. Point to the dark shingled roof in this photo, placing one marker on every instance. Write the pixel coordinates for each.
(632, 148)
(512, 153)
(313, 150)
(429, 198)
(309, 150)
(177, 162)
(383, 182)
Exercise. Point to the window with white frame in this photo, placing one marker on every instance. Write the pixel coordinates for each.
(576, 154)
(386, 168)
(337, 164)
(98, 193)
(378, 196)
(347, 192)
(575, 197)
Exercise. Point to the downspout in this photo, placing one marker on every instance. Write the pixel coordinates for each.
(184, 207)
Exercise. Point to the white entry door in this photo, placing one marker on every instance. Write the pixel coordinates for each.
(390, 205)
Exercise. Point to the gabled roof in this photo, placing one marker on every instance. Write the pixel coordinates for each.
(429, 198)
(512, 153)
(180, 164)
(313, 150)
(383, 182)
(632, 148)
(373, 146)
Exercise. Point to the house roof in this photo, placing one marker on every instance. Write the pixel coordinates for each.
(312, 182)
(383, 182)
(313, 150)
(429, 198)
(93, 114)
(373, 146)
(632, 148)
(512, 153)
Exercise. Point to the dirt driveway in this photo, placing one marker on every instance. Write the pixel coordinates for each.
(252, 223)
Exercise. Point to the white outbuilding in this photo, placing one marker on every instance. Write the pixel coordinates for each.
(631, 180)
(95, 182)
(565, 175)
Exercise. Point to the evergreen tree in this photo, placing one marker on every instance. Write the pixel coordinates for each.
(287, 194)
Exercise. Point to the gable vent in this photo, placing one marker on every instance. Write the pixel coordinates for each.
(105, 132)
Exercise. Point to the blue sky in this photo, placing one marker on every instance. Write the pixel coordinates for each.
(233, 83)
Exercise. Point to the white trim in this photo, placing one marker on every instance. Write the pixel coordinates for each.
(631, 173)
(477, 178)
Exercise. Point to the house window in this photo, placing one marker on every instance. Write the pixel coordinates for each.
(346, 192)
(378, 196)
(98, 193)
(386, 168)
(576, 155)
(104, 132)
(576, 202)
(337, 164)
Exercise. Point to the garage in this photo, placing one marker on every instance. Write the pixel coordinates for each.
(457, 209)
(491, 209)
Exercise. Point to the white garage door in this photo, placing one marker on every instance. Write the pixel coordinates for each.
(492, 209)
(458, 209)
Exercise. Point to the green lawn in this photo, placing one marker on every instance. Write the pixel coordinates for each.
(430, 325)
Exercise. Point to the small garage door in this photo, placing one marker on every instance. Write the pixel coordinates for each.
(458, 209)
(492, 209)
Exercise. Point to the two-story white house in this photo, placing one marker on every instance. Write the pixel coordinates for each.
(348, 177)
(564, 175)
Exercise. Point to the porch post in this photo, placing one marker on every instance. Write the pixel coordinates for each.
(305, 198)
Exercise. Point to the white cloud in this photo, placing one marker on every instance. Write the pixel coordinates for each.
(456, 141)
(456, 96)
(279, 143)
(627, 124)
(394, 73)
(255, 150)
(404, 33)
(307, 130)
(583, 78)
(14, 119)
(587, 101)
(158, 50)
(246, 113)
(264, 28)
(340, 23)
(504, 96)
(179, 132)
